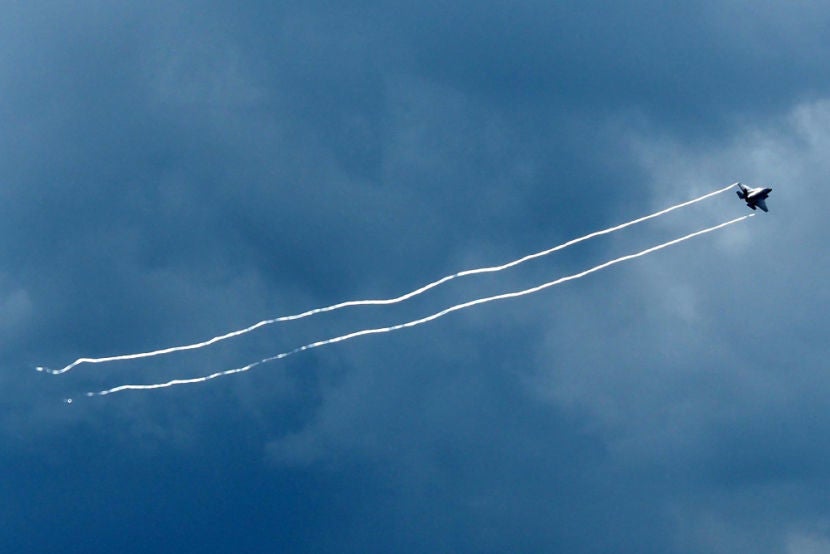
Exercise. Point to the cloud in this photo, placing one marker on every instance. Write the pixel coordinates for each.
(17, 311)
(705, 365)
(170, 172)
(808, 542)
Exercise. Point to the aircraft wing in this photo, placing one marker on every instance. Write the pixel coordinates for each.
(761, 203)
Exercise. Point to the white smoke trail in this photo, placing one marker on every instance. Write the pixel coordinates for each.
(420, 321)
(380, 302)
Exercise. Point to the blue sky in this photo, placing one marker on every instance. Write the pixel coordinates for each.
(171, 171)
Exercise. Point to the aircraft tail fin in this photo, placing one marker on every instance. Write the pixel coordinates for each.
(741, 193)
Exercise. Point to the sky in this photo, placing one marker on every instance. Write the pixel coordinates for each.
(171, 171)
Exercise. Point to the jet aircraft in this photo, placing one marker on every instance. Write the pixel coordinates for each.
(754, 198)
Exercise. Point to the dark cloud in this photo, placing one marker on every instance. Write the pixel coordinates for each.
(695, 65)
(174, 170)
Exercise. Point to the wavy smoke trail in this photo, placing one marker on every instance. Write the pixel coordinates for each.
(416, 322)
(387, 301)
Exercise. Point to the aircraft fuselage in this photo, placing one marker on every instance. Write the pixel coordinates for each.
(754, 198)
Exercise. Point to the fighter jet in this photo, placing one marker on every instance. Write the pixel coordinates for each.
(754, 198)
